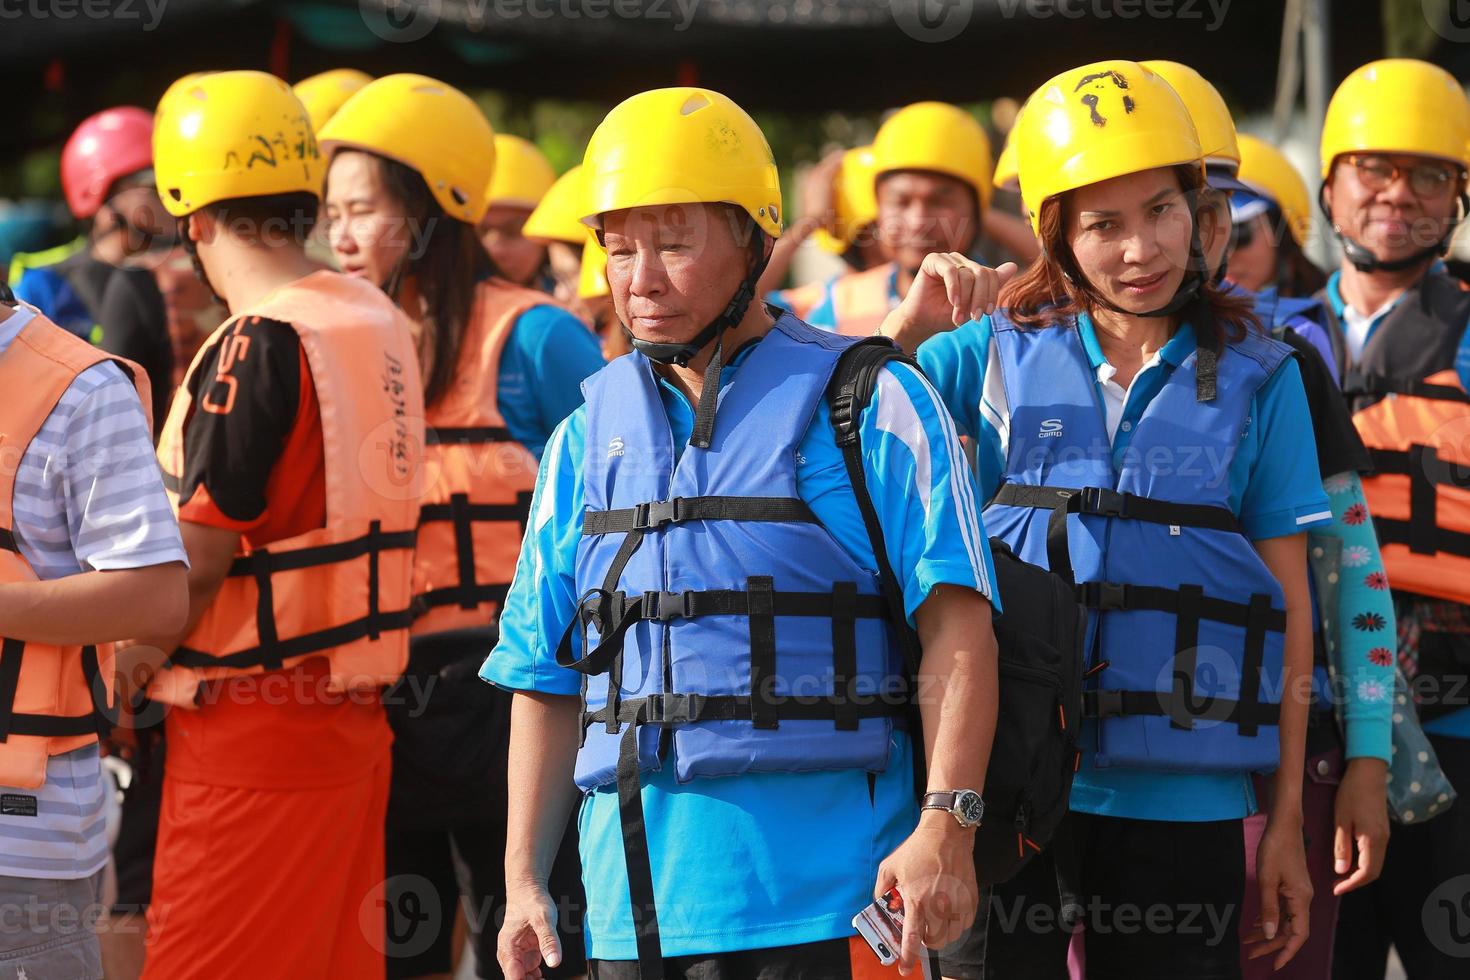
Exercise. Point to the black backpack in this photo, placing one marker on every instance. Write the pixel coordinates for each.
(1041, 634)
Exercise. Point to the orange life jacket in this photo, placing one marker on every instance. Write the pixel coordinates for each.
(341, 591)
(1414, 416)
(804, 298)
(477, 479)
(860, 300)
(53, 699)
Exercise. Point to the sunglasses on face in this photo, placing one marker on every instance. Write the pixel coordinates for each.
(1427, 180)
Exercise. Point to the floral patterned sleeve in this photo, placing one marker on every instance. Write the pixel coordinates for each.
(1365, 651)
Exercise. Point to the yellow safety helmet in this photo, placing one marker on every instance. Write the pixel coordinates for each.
(592, 283)
(1268, 172)
(426, 125)
(939, 137)
(681, 146)
(1007, 173)
(1397, 105)
(522, 173)
(324, 94)
(558, 218)
(853, 200)
(1098, 122)
(1212, 120)
(232, 134)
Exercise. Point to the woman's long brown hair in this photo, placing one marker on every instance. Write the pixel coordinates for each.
(447, 265)
(1051, 293)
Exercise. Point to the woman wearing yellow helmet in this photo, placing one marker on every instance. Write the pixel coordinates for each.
(522, 177)
(409, 167)
(1137, 434)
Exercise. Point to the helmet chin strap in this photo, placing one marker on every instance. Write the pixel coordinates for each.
(1361, 256)
(681, 354)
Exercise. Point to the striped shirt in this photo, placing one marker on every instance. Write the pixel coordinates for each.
(88, 497)
(760, 859)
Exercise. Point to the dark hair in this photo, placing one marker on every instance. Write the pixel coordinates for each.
(1296, 275)
(446, 266)
(1050, 293)
(261, 219)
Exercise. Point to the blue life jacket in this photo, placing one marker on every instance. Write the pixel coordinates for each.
(1277, 311)
(729, 624)
(1187, 623)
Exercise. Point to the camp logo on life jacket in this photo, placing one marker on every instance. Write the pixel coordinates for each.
(1050, 429)
(615, 447)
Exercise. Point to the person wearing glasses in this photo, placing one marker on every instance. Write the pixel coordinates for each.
(1394, 158)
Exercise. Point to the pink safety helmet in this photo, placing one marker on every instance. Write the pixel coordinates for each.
(106, 147)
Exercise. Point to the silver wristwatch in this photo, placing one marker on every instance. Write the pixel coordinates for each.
(964, 805)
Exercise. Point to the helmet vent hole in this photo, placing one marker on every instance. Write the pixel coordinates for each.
(459, 196)
(693, 104)
(174, 193)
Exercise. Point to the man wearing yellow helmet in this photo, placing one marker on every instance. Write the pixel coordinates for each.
(289, 456)
(931, 177)
(1135, 432)
(522, 177)
(502, 366)
(697, 554)
(1394, 157)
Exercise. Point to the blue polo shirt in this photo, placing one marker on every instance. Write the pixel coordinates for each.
(546, 357)
(761, 859)
(1275, 490)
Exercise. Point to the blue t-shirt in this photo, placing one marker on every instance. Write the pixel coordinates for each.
(763, 859)
(1275, 490)
(545, 359)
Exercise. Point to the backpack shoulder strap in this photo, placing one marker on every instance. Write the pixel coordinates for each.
(848, 393)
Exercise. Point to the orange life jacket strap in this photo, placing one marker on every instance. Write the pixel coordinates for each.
(272, 651)
(95, 722)
(1421, 533)
(447, 435)
(470, 592)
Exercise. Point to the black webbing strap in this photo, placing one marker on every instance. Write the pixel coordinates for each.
(466, 435)
(172, 482)
(1358, 385)
(844, 653)
(1190, 605)
(687, 709)
(469, 592)
(1115, 704)
(1421, 533)
(375, 531)
(7, 540)
(635, 855)
(265, 610)
(848, 394)
(614, 614)
(761, 605)
(1156, 598)
(1186, 655)
(1252, 664)
(657, 513)
(12, 655)
(1103, 502)
(272, 652)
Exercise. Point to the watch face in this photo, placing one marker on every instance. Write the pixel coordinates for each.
(970, 807)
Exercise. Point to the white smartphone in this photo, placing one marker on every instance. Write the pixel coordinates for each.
(881, 926)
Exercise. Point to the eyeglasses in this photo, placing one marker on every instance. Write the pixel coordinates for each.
(1426, 180)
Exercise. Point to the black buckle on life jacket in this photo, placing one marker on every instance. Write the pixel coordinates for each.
(1101, 501)
(1103, 595)
(655, 513)
(666, 606)
(671, 709)
(1102, 703)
